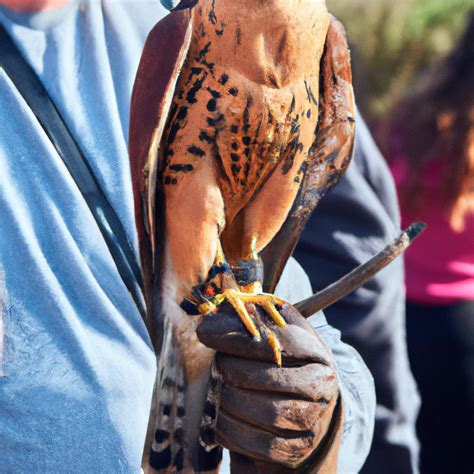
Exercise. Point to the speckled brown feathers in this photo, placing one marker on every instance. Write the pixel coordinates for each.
(244, 116)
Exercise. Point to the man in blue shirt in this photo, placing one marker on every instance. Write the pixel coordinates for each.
(77, 364)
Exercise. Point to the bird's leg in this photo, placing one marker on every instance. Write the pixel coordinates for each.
(249, 276)
(219, 278)
(213, 294)
(246, 294)
(241, 287)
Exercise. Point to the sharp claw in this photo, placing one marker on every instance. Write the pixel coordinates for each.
(269, 307)
(238, 299)
(274, 344)
(267, 302)
(244, 315)
(278, 301)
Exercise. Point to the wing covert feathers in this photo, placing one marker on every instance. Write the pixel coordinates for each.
(163, 56)
(329, 156)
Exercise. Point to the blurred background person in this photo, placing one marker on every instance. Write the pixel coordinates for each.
(430, 144)
(393, 44)
(351, 224)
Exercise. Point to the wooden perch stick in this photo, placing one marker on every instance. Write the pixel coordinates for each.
(360, 275)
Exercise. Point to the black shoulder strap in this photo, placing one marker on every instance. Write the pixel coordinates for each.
(38, 99)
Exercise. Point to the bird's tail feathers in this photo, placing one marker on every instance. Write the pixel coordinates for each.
(167, 452)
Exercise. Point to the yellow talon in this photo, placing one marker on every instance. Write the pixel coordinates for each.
(253, 295)
(206, 308)
(275, 345)
(267, 302)
(234, 298)
(237, 299)
(269, 307)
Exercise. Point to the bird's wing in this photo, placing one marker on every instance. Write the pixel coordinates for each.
(162, 58)
(328, 157)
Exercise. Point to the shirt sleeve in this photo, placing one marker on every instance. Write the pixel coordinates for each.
(357, 386)
(352, 223)
(358, 395)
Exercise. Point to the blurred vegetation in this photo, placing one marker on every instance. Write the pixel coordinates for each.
(393, 42)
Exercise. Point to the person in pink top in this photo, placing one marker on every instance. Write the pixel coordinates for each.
(431, 149)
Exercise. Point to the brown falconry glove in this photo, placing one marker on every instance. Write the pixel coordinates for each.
(274, 419)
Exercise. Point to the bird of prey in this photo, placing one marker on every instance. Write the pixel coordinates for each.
(242, 118)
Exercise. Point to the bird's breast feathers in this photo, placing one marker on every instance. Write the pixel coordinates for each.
(245, 122)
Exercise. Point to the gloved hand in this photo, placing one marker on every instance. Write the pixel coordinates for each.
(274, 419)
